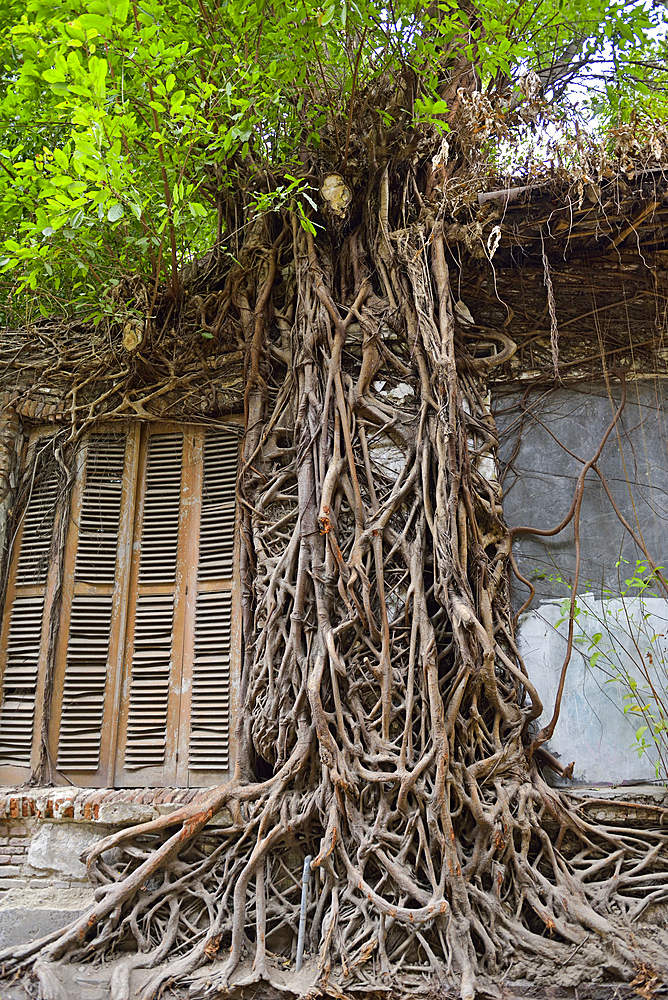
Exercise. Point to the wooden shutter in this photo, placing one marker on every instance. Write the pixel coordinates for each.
(92, 619)
(149, 688)
(209, 730)
(210, 704)
(36, 533)
(24, 627)
(142, 689)
(85, 684)
(176, 720)
(216, 536)
(100, 510)
(86, 666)
(162, 506)
(149, 723)
(19, 686)
(152, 658)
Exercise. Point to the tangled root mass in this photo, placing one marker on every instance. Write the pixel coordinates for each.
(385, 711)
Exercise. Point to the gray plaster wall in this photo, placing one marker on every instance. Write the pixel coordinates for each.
(542, 434)
(31, 912)
(50, 888)
(616, 641)
(539, 476)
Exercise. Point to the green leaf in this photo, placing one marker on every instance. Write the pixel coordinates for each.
(121, 10)
(54, 76)
(115, 213)
(61, 159)
(100, 23)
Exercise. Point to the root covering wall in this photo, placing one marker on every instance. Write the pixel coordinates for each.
(387, 722)
(44, 832)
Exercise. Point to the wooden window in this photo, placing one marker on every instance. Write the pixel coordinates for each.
(142, 676)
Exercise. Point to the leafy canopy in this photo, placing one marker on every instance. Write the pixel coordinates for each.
(128, 124)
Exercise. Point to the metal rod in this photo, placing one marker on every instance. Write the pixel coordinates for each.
(302, 913)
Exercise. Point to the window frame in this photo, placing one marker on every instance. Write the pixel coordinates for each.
(111, 772)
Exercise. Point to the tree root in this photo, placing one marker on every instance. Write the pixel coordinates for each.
(382, 689)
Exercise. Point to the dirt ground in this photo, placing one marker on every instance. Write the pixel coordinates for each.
(92, 983)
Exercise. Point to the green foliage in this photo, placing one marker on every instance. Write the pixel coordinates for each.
(125, 124)
(619, 637)
(295, 193)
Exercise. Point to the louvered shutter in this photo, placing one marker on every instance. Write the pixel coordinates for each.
(149, 689)
(88, 609)
(153, 662)
(20, 681)
(209, 736)
(100, 510)
(216, 537)
(85, 684)
(24, 624)
(210, 705)
(36, 533)
(142, 688)
(162, 505)
(176, 715)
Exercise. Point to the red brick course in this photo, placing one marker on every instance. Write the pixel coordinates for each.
(22, 812)
(82, 804)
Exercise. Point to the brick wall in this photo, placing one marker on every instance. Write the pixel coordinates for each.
(14, 840)
(44, 831)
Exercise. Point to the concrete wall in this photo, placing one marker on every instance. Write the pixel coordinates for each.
(539, 477)
(616, 641)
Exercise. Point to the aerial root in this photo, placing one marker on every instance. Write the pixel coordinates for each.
(382, 694)
(575, 935)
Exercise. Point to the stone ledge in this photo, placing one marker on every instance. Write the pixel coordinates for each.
(106, 806)
(642, 791)
(635, 805)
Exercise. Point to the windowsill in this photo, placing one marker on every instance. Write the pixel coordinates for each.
(106, 806)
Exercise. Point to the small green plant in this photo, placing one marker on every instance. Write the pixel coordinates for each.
(284, 194)
(621, 635)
